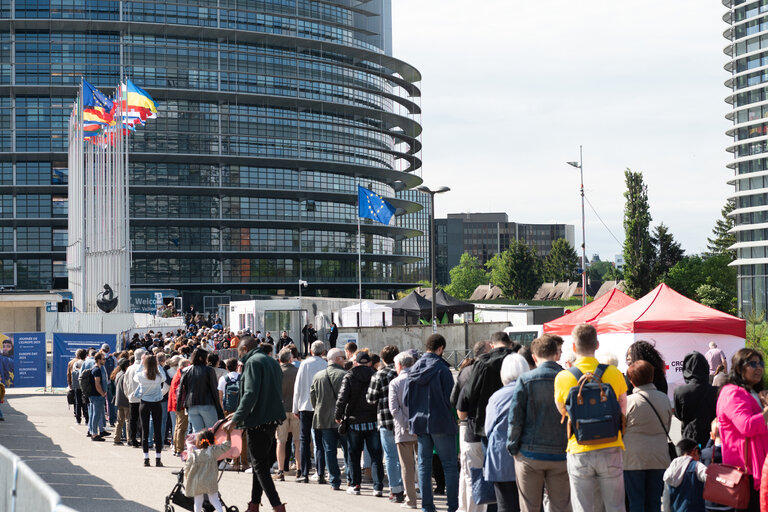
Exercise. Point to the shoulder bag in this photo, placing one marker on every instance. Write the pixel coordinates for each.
(670, 444)
(728, 485)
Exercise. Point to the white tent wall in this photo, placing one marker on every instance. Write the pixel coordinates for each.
(673, 348)
(371, 317)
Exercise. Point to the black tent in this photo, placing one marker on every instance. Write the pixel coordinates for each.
(453, 305)
(414, 305)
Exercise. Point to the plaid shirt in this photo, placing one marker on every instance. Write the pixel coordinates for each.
(378, 393)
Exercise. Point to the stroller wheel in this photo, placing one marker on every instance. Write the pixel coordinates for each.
(168, 507)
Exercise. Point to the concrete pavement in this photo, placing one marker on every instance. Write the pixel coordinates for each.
(90, 476)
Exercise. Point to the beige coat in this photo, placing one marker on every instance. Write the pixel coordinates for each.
(644, 439)
(201, 470)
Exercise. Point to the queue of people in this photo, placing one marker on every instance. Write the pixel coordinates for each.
(511, 432)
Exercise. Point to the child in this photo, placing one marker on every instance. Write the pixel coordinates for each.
(685, 478)
(200, 471)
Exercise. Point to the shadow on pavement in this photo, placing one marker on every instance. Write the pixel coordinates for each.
(78, 488)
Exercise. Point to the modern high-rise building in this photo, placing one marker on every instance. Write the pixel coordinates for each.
(271, 112)
(484, 235)
(748, 65)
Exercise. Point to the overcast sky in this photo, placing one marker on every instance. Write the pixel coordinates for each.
(510, 90)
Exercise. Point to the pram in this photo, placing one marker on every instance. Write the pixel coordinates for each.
(177, 496)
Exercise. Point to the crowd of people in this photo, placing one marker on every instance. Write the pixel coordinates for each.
(509, 432)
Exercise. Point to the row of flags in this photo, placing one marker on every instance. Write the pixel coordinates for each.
(100, 112)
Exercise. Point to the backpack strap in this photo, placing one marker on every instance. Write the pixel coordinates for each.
(599, 371)
(575, 372)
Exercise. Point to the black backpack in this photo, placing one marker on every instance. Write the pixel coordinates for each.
(594, 414)
(87, 382)
(231, 394)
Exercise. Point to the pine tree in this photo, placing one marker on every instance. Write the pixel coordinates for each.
(722, 239)
(638, 248)
(668, 252)
(562, 263)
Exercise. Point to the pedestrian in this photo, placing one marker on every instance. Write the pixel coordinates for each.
(200, 470)
(151, 386)
(685, 478)
(430, 417)
(407, 445)
(333, 335)
(360, 417)
(308, 336)
(537, 436)
(129, 388)
(73, 380)
(121, 401)
(378, 394)
(283, 341)
(324, 391)
(291, 425)
(260, 411)
(595, 471)
(742, 412)
(715, 358)
(229, 398)
(499, 466)
(302, 406)
(696, 400)
(644, 350)
(97, 400)
(182, 420)
(646, 453)
(198, 394)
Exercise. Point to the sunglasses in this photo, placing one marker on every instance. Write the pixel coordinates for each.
(756, 364)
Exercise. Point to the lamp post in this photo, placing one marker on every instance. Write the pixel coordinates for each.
(427, 190)
(580, 166)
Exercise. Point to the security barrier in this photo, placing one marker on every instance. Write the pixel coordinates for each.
(27, 490)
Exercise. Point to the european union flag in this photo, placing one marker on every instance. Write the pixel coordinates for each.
(372, 206)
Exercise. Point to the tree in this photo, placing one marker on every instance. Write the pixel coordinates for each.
(690, 275)
(668, 252)
(638, 248)
(466, 276)
(517, 271)
(562, 263)
(603, 271)
(722, 238)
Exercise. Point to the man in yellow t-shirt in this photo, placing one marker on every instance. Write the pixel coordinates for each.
(595, 471)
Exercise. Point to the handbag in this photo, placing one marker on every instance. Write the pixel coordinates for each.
(71, 397)
(483, 492)
(727, 485)
(670, 445)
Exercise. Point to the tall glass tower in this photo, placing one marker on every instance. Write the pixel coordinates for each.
(271, 112)
(748, 65)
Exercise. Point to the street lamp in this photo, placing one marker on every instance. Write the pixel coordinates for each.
(427, 190)
(580, 166)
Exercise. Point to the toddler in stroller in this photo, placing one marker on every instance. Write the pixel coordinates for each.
(197, 487)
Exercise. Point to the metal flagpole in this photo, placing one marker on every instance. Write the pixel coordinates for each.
(359, 264)
(83, 188)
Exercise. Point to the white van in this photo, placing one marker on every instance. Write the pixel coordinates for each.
(524, 334)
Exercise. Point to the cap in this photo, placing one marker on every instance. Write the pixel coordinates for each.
(105, 347)
(362, 358)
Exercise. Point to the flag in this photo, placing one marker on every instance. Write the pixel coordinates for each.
(97, 108)
(372, 206)
(138, 105)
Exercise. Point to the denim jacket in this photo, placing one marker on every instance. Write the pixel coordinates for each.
(535, 429)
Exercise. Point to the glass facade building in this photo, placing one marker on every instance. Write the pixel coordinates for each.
(271, 112)
(748, 65)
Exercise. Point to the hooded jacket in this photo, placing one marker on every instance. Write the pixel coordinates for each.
(428, 395)
(261, 391)
(696, 400)
(351, 403)
(484, 381)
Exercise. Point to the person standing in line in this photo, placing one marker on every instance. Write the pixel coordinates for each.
(302, 406)
(309, 336)
(378, 395)
(260, 411)
(407, 446)
(430, 418)
(73, 379)
(198, 394)
(537, 437)
(182, 420)
(98, 400)
(715, 357)
(333, 335)
(696, 400)
(129, 388)
(152, 384)
(291, 425)
(121, 401)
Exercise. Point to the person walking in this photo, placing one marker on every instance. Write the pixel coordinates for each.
(291, 425)
(198, 393)
(595, 471)
(537, 436)
(151, 382)
(200, 470)
(260, 411)
(302, 406)
(696, 400)
(430, 418)
(324, 391)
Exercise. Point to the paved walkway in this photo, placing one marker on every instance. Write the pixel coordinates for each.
(90, 476)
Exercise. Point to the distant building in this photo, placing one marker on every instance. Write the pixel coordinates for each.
(619, 261)
(484, 235)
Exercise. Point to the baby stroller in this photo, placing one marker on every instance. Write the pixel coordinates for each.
(177, 496)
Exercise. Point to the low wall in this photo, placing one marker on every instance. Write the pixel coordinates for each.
(457, 336)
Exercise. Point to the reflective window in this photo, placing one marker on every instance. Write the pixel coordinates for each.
(33, 206)
(33, 239)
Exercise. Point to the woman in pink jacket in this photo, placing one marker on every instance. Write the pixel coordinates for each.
(742, 412)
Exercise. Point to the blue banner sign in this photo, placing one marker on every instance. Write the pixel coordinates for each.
(66, 344)
(22, 360)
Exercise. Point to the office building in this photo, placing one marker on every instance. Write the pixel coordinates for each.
(484, 235)
(271, 112)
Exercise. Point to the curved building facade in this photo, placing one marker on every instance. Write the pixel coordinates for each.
(271, 112)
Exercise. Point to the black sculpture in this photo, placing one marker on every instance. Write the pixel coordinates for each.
(107, 301)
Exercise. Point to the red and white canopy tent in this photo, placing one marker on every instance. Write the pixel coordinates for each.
(605, 305)
(675, 324)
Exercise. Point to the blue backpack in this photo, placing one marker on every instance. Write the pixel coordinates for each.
(231, 397)
(594, 414)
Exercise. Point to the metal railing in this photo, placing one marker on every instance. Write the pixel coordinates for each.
(456, 357)
(24, 489)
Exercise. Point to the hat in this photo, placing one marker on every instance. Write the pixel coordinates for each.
(362, 358)
(105, 347)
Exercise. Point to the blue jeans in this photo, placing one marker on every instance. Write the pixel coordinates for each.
(391, 460)
(331, 439)
(644, 489)
(372, 441)
(112, 407)
(319, 452)
(96, 410)
(445, 446)
(305, 441)
(202, 417)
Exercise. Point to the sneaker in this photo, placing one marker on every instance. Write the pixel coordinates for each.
(398, 497)
(88, 435)
(118, 443)
(158, 463)
(321, 480)
(405, 505)
(97, 438)
(279, 476)
(249, 470)
(146, 463)
(354, 490)
(378, 494)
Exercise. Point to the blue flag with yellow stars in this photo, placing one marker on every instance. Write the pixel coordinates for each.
(372, 206)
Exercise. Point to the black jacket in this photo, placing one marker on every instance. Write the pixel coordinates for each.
(198, 387)
(696, 400)
(352, 397)
(484, 381)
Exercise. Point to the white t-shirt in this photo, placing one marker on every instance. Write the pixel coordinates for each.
(223, 380)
